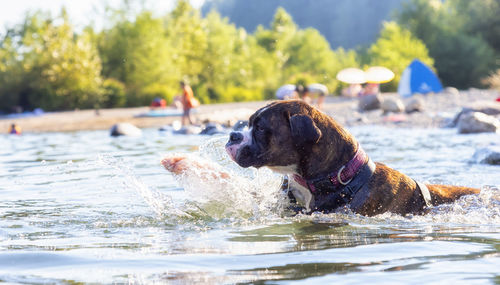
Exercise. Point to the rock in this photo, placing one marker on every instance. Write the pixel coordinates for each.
(125, 129)
(391, 104)
(370, 102)
(415, 104)
(487, 155)
(451, 90)
(211, 129)
(487, 107)
(240, 125)
(476, 122)
(188, 130)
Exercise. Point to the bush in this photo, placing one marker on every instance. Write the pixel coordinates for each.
(395, 49)
(157, 90)
(239, 94)
(114, 95)
(462, 60)
(493, 81)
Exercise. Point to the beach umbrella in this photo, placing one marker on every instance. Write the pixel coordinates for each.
(285, 91)
(317, 88)
(379, 74)
(418, 78)
(351, 75)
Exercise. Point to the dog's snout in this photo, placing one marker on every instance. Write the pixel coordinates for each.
(235, 137)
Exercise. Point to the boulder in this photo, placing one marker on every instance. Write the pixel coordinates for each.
(211, 129)
(391, 104)
(415, 104)
(370, 102)
(487, 107)
(188, 130)
(487, 155)
(125, 129)
(451, 90)
(240, 125)
(476, 122)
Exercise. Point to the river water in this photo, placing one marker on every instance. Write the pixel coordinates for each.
(86, 207)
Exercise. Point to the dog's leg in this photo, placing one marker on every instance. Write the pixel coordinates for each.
(181, 164)
(441, 194)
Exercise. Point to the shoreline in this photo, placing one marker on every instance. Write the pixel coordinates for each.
(438, 109)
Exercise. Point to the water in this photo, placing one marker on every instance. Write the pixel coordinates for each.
(85, 207)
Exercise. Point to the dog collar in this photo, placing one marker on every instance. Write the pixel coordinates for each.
(338, 178)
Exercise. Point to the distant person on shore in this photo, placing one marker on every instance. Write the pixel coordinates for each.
(158, 103)
(289, 91)
(352, 90)
(304, 95)
(188, 103)
(14, 130)
(315, 93)
(177, 102)
(370, 89)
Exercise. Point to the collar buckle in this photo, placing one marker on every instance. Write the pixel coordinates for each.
(339, 179)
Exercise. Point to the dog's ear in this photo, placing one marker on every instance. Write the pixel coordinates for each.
(304, 130)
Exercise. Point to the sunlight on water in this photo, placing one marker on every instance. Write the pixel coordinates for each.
(84, 207)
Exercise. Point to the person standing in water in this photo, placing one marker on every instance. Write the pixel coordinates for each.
(187, 102)
(14, 129)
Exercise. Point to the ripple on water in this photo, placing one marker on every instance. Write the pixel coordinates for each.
(85, 207)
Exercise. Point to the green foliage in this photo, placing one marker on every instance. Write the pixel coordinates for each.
(55, 68)
(114, 94)
(137, 54)
(480, 17)
(461, 36)
(238, 94)
(395, 49)
(141, 55)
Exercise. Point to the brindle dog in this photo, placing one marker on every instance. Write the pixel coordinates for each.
(327, 167)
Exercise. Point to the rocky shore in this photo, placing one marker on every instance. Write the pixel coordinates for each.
(435, 110)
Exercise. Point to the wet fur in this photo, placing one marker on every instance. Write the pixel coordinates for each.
(324, 146)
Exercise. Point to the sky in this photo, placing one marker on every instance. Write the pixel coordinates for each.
(81, 12)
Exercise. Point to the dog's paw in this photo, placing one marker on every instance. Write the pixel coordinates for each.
(175, 163)
(184, 164)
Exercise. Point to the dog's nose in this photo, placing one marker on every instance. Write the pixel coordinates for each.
(235, 137)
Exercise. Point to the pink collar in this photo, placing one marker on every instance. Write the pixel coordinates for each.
(340, 177)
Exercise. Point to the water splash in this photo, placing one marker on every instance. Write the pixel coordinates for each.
(470, 210)
(160, 203)
(242, 193)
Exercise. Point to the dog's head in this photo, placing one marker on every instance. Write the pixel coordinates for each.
(277, 137)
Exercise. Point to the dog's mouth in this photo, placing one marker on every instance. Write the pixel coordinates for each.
(232, 150)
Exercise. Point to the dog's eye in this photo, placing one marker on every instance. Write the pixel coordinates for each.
(259, 129)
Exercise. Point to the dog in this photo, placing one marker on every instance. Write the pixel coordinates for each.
(326, 167)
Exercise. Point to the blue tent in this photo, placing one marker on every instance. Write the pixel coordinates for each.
(418, 78)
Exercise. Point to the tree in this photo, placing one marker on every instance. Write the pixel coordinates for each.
(137, 53)
(187, 41)
(278, 39)
(395, 49)
(223, 59)
(56, 68)
(450, 30)
(480, 17)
